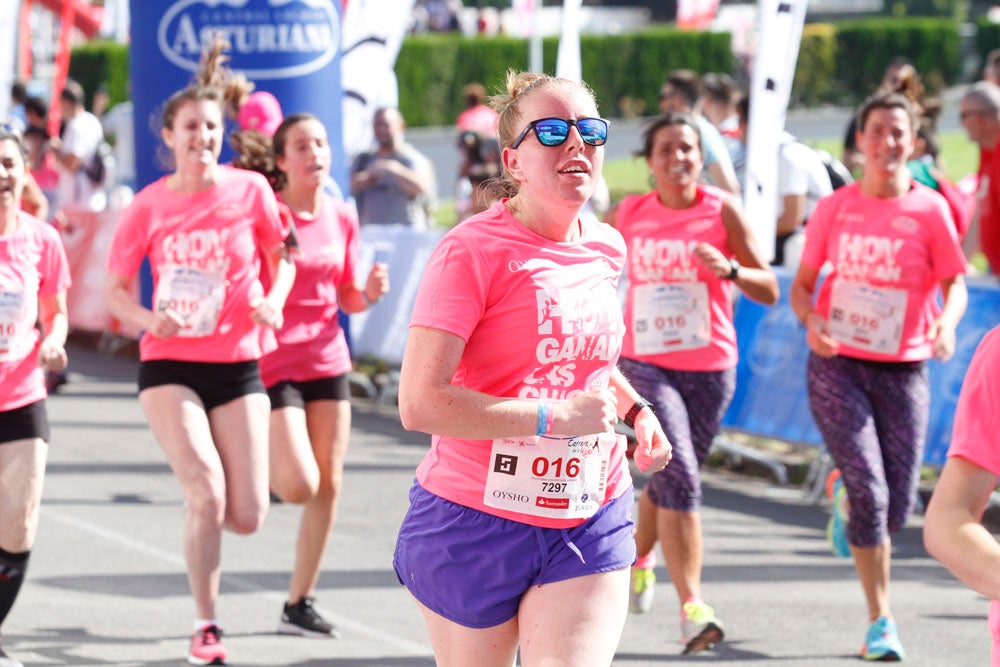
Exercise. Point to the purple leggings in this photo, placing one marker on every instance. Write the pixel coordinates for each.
(873, 418)
(690, 406)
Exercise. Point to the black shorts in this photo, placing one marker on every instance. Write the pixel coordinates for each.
(214, 383)
(292, 394)
(25, 423)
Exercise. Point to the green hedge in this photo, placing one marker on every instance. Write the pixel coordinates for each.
(987, 38)
(101, 63)
(838, 63)
(865, 47)
(431, 69)
(814, 81)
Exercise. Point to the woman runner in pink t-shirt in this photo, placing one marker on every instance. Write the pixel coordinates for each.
(519, 528)
(871, 327)
(953, 526)
(306, 376)
(688, 246)
(203, 228)
(34, 277)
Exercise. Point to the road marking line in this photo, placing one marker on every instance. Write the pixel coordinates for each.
(234, 580)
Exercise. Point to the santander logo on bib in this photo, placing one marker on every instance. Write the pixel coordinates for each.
(269, 39)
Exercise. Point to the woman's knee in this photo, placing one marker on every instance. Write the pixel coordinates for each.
(869, 518)
(245, 518)
(20, 525)
(297, 489)
(206, 504)
(899, 514)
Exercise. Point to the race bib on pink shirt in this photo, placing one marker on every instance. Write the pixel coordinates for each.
(866, 317)
(669, 317)
(18, 312)
(194, 294)
(554, 477)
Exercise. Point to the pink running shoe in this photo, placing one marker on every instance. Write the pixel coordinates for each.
(206, 647)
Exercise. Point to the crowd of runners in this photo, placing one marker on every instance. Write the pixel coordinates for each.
(520, 361)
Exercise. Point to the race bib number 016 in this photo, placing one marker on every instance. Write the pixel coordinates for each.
(16, 318)
(195, 295)
(866, 317)
(552, 477)
(670, 317)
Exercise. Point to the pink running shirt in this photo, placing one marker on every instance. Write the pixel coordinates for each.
(541, 319)
(888, 257)
(481, 119)
(678, 314)
(975, 435)
(33, 266)
(203, 251)
(311, 344)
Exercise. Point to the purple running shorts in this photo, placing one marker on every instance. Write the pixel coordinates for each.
(472, 567)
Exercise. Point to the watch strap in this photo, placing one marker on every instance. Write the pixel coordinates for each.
(734, 269)
(633, 412)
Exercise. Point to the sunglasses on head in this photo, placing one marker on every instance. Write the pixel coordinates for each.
(555, 131)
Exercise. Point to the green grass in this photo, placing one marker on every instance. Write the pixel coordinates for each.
(630, 175)
(959, 155)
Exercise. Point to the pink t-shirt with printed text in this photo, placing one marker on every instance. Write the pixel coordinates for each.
(975, 434)
(678, 314)
(889, 257)
(33, 266)
(203, 250)
(541, 320)
(311, 343)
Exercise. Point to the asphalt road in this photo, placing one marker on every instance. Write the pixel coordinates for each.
(107, 584)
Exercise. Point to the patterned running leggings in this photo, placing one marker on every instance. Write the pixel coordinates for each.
(873, 418)
(690, 406)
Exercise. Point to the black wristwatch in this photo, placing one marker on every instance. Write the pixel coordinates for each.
(633, 412)
(734, 269)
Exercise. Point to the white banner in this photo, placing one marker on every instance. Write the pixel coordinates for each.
(568, 64)
(373, 31)
(780, 32)
(8, 48)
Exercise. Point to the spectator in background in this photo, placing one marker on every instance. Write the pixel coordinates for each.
(924, 167)
(485, 189)
(477, 188)
(42, 164)
(979, 111)
(394, 184)
(18, 96)
(442, 15)
(119, 129)
(802, 181)
(36, 114)
(477, 116)
(719, 95)
(78, 145)
(991, 70)
(681, 92)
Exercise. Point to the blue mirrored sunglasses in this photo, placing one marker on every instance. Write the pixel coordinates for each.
(555, 131)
